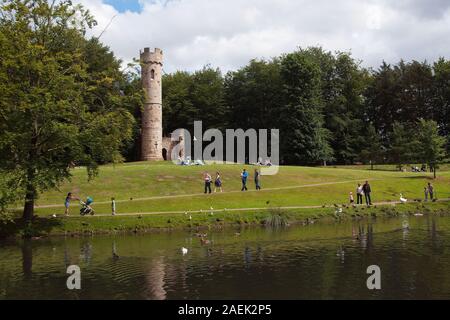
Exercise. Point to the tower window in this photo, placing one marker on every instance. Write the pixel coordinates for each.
(152, 74)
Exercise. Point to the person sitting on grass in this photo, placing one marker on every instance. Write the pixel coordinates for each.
(69, 198)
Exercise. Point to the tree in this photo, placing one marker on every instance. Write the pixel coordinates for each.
(342, 86)
(430, 145)
(441, 103)
(305, 141)
(402, 145)
(192, 97)
(53, 114)
(253, 95)
(373, 149)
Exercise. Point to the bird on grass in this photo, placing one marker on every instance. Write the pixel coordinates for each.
(402, 199)
(184, 251)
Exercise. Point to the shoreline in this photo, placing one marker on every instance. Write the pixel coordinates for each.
(48, 227)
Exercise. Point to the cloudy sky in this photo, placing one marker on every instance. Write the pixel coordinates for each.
(228, 33)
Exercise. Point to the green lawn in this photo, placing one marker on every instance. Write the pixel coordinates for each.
(164, 187)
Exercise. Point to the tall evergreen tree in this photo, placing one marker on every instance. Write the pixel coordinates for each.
(402, 145)
(253, 95)
(305, 141)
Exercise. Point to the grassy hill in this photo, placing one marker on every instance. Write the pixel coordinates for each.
(154, 196)
(164, 187)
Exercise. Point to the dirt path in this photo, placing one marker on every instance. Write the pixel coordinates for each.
(246, 209)
(215, 194)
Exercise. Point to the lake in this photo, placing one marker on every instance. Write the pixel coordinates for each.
(319, 261)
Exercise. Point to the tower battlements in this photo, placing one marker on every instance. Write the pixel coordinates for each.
(148, 56)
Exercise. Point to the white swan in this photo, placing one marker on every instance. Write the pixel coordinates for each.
(403, 200)
(184, 251)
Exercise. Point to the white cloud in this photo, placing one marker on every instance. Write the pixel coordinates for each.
(228, 33)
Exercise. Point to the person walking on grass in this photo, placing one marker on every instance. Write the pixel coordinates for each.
(207, 178)
(257, 179)
(367, 191)
(244, 177)
(425, 191)
(359, 194)
(218, 183)
(70, 197)
(431, 191)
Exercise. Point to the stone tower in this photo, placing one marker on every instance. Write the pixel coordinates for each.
(152, 133)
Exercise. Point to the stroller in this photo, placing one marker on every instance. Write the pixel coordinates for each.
(86, 208)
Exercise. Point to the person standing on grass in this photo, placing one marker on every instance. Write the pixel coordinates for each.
(113, 206)
(367, 191)
(244, 176)
(218, 183)
(257, 179)
(359, 194)
(425, 191)
(207, 178)
(69, 198)
(351, 199)
(431, 191)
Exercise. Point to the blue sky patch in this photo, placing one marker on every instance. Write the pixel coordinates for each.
(125, 5)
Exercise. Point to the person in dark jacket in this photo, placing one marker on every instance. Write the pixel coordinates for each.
(367, 191)
(257, 179)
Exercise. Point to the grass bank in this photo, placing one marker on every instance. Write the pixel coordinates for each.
(273, 217)
(156, 196)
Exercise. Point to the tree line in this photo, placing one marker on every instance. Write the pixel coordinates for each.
(328, 107)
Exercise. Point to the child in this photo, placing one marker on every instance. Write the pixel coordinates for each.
(113, 206)
(352, 200)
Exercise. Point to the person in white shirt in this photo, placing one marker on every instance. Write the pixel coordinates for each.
(359, 194)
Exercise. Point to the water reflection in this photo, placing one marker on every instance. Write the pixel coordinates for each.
(315, 261)
(27, 259)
